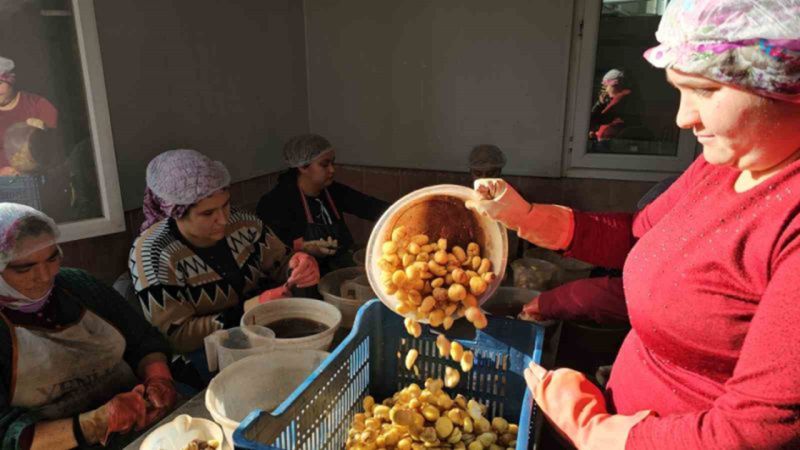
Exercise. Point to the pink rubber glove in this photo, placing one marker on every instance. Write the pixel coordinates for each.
(305, 271)
(159, 390)
(121, 414)
(576, 407)
(548, 226)
(274, 294)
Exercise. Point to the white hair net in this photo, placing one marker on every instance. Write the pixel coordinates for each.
(23, 231)
(299, 151)
(184, 177)
(487, 157)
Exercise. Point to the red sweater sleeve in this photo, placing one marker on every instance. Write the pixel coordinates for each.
(599, 299)
(760, 404)
(604, 239)
(47, 112)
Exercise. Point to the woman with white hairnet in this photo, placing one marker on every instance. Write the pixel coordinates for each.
(712, 266)
(306, 209)
(77, 364)
(197, 260)
(486, 161)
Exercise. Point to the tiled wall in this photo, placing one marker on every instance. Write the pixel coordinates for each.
(106, 256)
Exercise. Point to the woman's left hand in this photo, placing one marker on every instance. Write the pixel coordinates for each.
(577, 409)
(159, 390)
(305, 271)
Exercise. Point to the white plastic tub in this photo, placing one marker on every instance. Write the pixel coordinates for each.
(346, 289)
(406, 211)
(305, 308)
(260, 381)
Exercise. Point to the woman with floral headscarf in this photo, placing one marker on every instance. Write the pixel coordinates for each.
(712, 267)
(77, 364)
(197, 261)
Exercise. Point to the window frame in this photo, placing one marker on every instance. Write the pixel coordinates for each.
(113, 219)
(578, 162)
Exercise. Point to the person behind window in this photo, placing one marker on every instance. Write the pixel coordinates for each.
(486, 161)
(607, 118)
(711, 266)
(77, 364)
(19, 106)
(37, 152)
(306, 209)
(197, 260)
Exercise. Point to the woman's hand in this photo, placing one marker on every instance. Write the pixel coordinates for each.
(321, 247)
(159, 389)
(577, 409)
(531, 312)
(305, 271)
(121, 414)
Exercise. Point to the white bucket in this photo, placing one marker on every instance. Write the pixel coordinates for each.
(261, 381)
(292, 308)
(181, 431)
(346, 289)
(492, 233)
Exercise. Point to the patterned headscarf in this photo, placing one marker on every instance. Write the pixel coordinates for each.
(176, 180)
(753, 44)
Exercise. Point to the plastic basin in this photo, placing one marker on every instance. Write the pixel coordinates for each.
(304, 308)
(343, 289)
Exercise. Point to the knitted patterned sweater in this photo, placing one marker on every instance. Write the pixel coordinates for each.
(183, 295)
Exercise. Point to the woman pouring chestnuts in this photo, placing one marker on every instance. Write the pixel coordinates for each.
(711, 268)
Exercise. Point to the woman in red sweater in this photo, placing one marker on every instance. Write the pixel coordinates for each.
(711, 268)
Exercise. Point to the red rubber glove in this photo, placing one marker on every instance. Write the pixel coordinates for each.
(548, 226)
(159, 390)
(576, 408)
(305, 271)
(125, 412)
(274, 294)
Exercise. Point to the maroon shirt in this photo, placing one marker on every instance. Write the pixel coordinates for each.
(713, 296)
(28, 106)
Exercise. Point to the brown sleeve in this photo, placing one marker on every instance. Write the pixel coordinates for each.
(275, 256)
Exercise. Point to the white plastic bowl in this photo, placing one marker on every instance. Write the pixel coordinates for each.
(333, 285)
(260, 381)
(178, 433)
(493, 235)
(292, 307)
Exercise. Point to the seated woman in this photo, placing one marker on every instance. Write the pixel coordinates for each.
(196, 260)
(306, 208)
(77, 364)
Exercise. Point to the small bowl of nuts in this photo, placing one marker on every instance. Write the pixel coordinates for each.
(432, 260)
(185, 433)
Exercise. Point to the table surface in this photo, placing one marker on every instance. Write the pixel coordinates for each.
(196, 406)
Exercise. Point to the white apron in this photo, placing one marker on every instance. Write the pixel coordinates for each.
(61, 373)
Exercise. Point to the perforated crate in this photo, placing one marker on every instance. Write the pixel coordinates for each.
(21, 189)
(369, 361)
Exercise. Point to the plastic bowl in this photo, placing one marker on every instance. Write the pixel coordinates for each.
(182, 430)
(438, 211)
(259, 381)
(342, 289)
(293, 308)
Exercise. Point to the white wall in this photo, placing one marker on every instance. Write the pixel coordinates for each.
(418, 83)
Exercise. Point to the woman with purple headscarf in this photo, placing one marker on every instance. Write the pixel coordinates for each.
(197, 260)
(712, 266)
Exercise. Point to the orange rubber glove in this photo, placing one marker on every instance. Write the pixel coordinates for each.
(305, 271)
(121, 414)
(274, 294)
(548, 226)
(576, 407)
(159, 390)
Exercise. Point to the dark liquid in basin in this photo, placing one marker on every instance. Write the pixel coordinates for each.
(295, 327)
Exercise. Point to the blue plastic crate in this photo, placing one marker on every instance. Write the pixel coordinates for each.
(21, 189)
(370, 362)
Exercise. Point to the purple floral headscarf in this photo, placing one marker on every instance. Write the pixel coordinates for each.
(753, 44)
